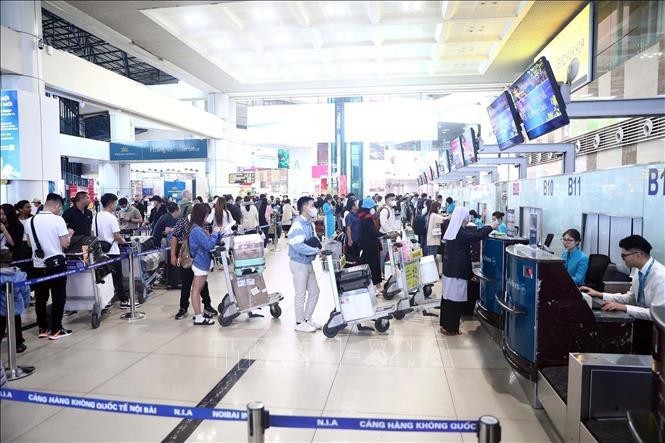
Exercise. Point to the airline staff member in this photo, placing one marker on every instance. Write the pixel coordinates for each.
(576, 261)
(498, 216)
(648, 281)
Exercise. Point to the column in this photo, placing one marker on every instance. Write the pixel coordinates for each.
(114, 177)
(36, 169)
(223, 153)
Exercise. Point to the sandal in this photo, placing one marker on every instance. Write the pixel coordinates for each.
(205, 322)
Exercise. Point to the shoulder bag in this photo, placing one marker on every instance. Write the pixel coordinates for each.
(106, 246)
(185, 259)
(55, 263)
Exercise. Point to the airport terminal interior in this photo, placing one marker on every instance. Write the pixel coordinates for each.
(332, 221)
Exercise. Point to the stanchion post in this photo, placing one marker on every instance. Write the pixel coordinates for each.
(14, 371)
(257, 422)
(132, 314)
(489, 429)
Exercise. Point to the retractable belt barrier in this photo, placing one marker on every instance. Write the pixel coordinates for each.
(487, 427)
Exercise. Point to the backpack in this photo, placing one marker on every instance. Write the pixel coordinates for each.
(420, 225)
(376, 218)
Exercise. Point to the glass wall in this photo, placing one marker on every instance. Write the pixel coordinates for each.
(625, 28)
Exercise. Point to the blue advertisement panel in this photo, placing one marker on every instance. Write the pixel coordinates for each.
(492, 267)
(10, 145)
(174, 188)
(159, 150)
(521, 293)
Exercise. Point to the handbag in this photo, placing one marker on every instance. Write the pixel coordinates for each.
(54, 263)
(185, 259)
(106, 246)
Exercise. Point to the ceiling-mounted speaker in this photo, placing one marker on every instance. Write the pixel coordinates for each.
(596, 141)
(647, 127)
(618, 136)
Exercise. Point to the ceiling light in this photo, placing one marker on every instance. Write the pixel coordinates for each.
(263, 14)
(336, 9)
(412, 6)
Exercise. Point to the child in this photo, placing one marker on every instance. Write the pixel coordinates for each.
(21, 297)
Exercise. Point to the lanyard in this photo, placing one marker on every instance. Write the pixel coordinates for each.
(643, 280)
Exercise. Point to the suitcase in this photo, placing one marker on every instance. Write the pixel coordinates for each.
(172, 276)
(356, 277)
(77, 243)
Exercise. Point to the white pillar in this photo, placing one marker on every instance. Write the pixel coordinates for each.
(115, 177)
(222, 153)
(38, 115)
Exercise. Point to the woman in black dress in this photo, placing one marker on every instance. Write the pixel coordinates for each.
(457, 268)
(369, 241)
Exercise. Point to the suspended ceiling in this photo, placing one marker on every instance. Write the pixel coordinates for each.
(250, 48)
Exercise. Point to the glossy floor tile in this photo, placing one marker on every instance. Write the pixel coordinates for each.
(411, 371)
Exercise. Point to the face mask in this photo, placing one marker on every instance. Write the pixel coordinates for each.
(312, 212)
(372, 211)
(392, 203)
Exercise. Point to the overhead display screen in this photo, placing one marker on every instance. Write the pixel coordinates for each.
(456, 153)
(538, 100)
(505, 121)
(469, 142)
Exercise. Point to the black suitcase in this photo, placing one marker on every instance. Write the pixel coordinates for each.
(76, 247)
(356, 277)
(172, 276)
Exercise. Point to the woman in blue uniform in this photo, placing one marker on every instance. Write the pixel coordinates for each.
(498, 216)
(576, 261)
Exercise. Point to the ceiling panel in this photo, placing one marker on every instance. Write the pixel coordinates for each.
(246, 48)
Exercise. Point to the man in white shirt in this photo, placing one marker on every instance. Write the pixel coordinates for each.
(107, 229)
(648, 281)
(48, 237)
(390, 223)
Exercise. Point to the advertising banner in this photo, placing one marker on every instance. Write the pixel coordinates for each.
(159, 150)
(510, 222)
(10, 145)
(283, 158)
(569, 51)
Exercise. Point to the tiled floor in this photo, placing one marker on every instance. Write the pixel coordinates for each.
(409, 372)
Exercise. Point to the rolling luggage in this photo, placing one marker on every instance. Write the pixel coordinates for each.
(356, 277)
(173, 280)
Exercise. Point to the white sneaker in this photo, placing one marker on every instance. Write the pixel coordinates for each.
(313, 324)
(305, 327)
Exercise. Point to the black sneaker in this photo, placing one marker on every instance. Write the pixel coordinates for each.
(20, 348)
(59, 334)
(43, 333)
(210, 311)
(126, 305)
(182, 313)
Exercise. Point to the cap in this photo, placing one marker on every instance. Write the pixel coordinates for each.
(36, 200)
(368, 203)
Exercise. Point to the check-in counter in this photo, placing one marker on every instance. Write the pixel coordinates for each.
(546, 317)
(649, 427)
(492, 274)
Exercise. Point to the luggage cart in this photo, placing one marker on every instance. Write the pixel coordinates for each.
(406, 281)
(254, 294)
(86, 293)
(148, 265)
(337, 322)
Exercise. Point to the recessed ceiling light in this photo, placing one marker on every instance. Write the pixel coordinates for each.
(336, 9)
(412, 6)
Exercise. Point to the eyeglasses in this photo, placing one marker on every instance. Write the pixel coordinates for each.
(567, 240)
(623, 256)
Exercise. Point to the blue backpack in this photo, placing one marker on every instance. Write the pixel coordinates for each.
(420, 225)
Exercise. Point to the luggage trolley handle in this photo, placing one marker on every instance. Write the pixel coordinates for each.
(331, 274)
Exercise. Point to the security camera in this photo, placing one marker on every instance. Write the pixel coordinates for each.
(40, 43)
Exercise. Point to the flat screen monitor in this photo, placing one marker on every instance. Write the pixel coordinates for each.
(431, 173)
(505, 121)
(456, 154)
(469, 140)
(438, 171)
(538, 100)
(425, 178)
